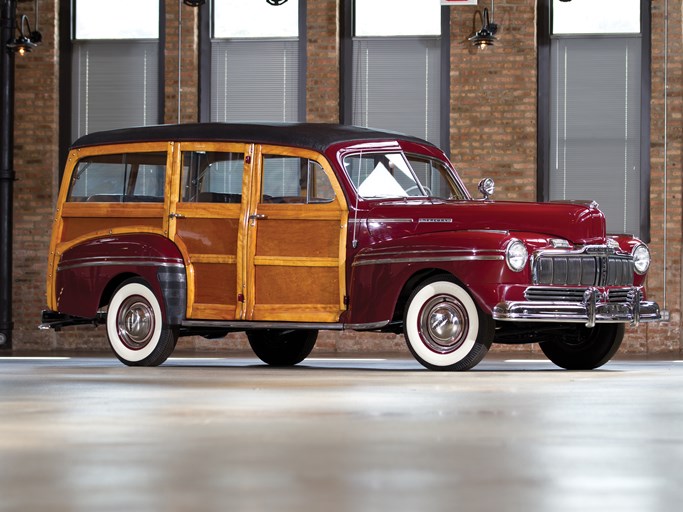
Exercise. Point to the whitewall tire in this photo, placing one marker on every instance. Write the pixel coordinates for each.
(444, 328)
(135, 327)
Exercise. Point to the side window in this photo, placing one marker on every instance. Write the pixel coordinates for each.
(435, 178)
(319, 186)
(212, 177)
(289, 179)
(119, 178)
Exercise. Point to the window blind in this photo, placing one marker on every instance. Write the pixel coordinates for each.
(397, 85)
(595, 126)
(115, 85)
(254, 80)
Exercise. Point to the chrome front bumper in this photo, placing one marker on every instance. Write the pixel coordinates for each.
(591, 310)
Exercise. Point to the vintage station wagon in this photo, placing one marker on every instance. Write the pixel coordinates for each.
(282, 230)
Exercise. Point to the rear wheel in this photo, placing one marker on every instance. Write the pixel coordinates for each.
(279, 347)
(444, 328)
(135, 327)
(582, 348)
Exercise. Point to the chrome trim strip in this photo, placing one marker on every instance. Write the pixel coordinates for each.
(383, 261)
(366, 327)
(141, 263)
(471, 252)
(593, 250)
(389, 221)
(124, 258)
(496, 231)
(382, 221)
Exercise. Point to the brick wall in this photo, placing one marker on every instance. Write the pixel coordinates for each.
(36, 165)
(188, 88)
(493, 100)
(322, 84)
(666, 335)
(493, 133)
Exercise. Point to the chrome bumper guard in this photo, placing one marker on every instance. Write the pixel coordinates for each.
(593, 309)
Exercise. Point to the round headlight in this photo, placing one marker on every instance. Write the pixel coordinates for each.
(641, 258)
(516, 255)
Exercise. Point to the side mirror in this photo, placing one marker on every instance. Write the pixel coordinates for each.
(486, 188)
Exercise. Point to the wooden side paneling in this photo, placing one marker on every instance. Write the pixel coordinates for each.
(79, 227)
(216, 283)
(310, 238)
(209, 236)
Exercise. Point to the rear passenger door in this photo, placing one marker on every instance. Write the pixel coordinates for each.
(207, 219)
(296, 234)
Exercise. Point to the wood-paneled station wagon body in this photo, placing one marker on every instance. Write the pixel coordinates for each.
(283, 230)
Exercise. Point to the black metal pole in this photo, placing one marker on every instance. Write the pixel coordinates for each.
(7, 175)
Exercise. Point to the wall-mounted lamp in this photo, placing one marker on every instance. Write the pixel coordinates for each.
(27, 39)
(486, 35)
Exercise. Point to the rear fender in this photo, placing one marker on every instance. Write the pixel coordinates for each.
(89, 273)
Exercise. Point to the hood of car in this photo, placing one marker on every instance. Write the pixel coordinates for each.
(579, 223)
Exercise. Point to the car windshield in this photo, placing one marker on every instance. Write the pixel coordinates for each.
(384, 174)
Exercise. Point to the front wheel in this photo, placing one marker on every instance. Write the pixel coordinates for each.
(444, 328)
(135, 327)
(581, 348)
(278, 347)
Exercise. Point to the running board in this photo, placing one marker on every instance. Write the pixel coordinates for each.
(240, 325)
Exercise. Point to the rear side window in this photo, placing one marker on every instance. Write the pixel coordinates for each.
(119, 178)
(212, 177)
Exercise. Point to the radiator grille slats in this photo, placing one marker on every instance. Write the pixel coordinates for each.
(583, 270)
(555, 294)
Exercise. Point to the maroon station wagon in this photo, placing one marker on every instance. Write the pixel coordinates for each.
(282, 230)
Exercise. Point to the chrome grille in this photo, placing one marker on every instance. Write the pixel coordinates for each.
(619, 271)
(624, 295)
(557, 294)
(583, 270)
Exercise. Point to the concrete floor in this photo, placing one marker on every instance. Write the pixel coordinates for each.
(228, 434)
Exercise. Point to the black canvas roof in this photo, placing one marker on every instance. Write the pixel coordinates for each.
(304, 135)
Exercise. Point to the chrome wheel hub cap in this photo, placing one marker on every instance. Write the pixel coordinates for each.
(443, 324)
(135, 323)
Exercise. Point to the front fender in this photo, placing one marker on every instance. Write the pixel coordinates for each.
(475, 258)
(88, 273)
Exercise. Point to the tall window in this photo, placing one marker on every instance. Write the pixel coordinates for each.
(115, 65)
(257, 69)
(396, 67)
(597, 79)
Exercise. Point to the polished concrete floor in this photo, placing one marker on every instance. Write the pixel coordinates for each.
(228, 434)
